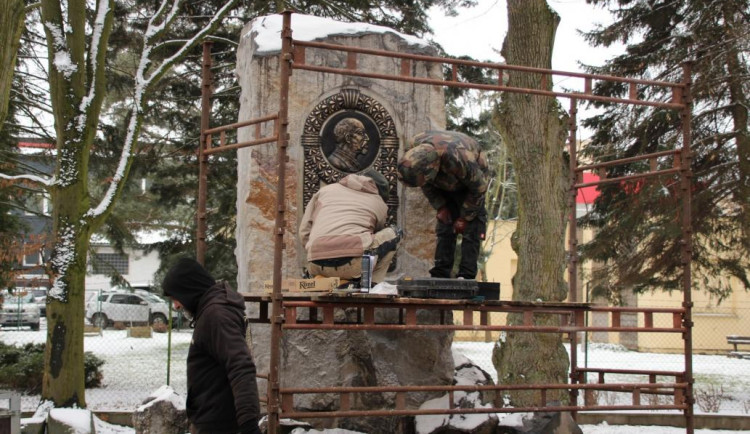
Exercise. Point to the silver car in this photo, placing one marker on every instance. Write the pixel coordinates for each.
(127, 307)
(19, 310)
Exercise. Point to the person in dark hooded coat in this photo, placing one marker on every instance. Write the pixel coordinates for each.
(222, 389)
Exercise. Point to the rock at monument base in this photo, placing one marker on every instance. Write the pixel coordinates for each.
(466, 373)
(163, 412)
(318, 359)
(479, 423)
(539, 423)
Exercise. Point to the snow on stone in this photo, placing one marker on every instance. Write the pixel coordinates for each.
(426, 424)
(459, 359)
(515, 419)
(469, 422)
(79, 420)
(164, 393)
(469, 376)
(267, 31)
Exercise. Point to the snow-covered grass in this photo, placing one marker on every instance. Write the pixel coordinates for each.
(136, 367)
(133, 368)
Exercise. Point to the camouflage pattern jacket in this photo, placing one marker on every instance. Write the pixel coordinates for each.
(443, 162)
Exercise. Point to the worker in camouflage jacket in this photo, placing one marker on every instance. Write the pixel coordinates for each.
(452, 172)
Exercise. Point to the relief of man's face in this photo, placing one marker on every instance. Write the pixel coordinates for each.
(358, 139)
(351, 133)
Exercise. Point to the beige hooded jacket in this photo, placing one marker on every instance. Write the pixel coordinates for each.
(341, 218)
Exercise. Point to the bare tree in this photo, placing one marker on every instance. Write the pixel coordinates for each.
(78, 44)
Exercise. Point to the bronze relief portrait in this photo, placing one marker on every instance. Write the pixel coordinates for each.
(349, 132)
(350, 141)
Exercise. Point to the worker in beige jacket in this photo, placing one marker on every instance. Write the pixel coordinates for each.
(345, 220)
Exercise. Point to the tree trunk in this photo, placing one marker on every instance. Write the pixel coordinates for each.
(63, 382)
(534, 132)
(64, 377)
(11, 26)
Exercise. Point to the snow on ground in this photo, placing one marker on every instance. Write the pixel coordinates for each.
(137, 367)
(133, 369)
(729, 375)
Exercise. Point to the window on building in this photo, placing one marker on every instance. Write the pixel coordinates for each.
(37, 204)
(32, 259)
(107, 263)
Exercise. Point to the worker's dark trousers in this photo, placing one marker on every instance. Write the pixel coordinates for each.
(470, 243)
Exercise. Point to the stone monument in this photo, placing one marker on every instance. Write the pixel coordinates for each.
(338, 125)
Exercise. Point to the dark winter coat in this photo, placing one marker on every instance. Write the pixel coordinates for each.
(222, 389)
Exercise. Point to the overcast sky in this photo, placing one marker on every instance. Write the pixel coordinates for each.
(479, 32)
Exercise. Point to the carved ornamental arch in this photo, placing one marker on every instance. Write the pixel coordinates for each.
(319, 143)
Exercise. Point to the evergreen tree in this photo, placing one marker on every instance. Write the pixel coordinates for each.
(637, 228)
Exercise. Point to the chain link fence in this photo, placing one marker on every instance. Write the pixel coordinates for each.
(138, 359)
(136, 363)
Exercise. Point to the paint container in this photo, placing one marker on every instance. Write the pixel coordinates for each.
(368, 262)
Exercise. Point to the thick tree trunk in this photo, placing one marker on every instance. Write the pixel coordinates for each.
(64, 377)
(532, 128)
(63, 382)
(11, 26)
(64, 374)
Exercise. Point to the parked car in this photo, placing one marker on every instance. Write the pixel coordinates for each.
(127, 306)
(19, 309)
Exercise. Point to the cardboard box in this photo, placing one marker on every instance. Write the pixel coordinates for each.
(320, 284)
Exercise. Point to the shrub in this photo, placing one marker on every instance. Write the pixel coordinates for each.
(22, 368)
(709, 398)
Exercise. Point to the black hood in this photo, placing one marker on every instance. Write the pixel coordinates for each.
(187, 282)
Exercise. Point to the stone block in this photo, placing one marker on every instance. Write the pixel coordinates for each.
(163, 412)
(70, 421)
(139, 332)
(33, 425)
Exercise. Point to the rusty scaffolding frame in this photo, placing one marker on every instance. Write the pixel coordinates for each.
(284, 312)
